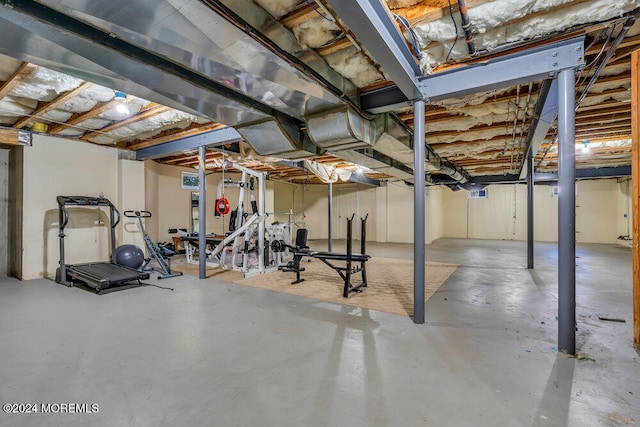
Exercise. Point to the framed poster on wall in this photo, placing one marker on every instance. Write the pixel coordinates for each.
(190, 181)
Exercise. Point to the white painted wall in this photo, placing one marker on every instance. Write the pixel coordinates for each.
(169, 204)
(283, 201)
(348, 199)
(503, 215)
(435, 213)
(53, 167)
(131, 192)
(399, 213)
(596, 211)
(390, 210)
(454, 206)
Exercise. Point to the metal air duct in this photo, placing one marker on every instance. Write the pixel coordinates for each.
(277, 136)
(343, 129)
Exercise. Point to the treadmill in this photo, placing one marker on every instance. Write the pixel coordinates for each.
(98, 275)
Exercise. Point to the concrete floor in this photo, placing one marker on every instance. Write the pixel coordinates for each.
(216, 353)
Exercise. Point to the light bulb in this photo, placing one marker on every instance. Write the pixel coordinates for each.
(122, 109)
(121, 98)
(585, 149)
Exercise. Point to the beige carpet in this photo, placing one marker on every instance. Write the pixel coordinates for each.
(390, 282)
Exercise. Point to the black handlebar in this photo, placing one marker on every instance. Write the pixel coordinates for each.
(137, 214)
(65, 220)
(117, 213)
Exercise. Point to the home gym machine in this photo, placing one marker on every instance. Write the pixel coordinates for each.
(245, 248)
(98, 275)
(156, 253)
(345, 271)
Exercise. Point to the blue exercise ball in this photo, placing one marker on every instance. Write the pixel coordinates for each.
(130, 256)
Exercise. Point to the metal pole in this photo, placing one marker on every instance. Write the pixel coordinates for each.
(262, 188)
(202, 215)
(566, 213)
(330, 209)
(418, 212)
(530, 238)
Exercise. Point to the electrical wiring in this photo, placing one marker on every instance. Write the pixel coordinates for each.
(455, 26)
(313, 6)
(334, 40)
(414, 38)
(589, 66)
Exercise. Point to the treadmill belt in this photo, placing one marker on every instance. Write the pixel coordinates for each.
(105, 274)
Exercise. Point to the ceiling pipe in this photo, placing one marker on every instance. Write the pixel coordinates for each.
(466, 26)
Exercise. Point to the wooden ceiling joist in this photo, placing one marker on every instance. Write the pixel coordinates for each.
(153, 111)
(46, 107)
(81, 117)
(16, 78)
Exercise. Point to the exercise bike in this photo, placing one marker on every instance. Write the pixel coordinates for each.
(159, 254)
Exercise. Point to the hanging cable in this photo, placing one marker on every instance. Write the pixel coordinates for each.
(414, 38)
(455, 26)
(317, 11)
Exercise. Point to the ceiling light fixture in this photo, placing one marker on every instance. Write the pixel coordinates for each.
(585, 148)
(122, 106)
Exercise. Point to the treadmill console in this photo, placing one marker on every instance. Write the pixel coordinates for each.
(82, 201)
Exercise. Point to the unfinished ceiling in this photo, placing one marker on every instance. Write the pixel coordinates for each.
(301, 60)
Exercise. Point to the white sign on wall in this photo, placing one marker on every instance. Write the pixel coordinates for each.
(555, 190)
(479, 194)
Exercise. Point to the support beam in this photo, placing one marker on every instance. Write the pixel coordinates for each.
(566, 213)
(524, 67)
(635, 193)
(371, 22)
(216, 137)
(531, 65)
(173, 134)
(608, 172)
(202, 214)
(330, 218)
(530, 210)
(544, 115)
(418, 213)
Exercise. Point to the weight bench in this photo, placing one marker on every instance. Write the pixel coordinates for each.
(349, 259)
(345, 271)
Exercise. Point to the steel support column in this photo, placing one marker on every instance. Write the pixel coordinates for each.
(530, 239)
(418, 212)
(330, 218)
(566, 213)
(202, 214)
